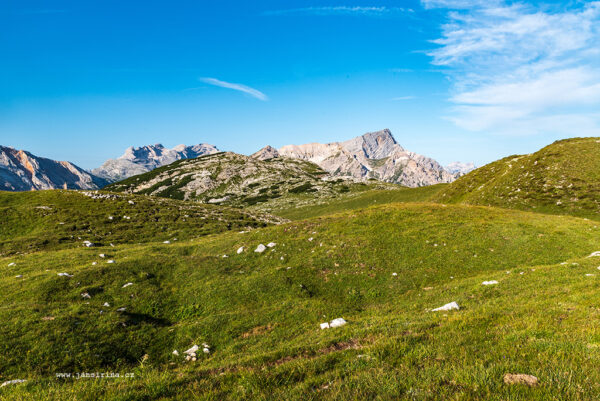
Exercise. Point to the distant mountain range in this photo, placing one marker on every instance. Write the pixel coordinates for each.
(141, 160)
(22, 171)
(375, 155)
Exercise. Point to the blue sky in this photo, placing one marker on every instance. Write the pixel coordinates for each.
(468, 80)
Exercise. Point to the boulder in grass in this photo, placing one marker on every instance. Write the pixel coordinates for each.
(12, 264)
(337, 322)
(520, 378)
(191, 350)
(491, 282)
(447, 307)
(271, 244)
(597, 253)
(260, 248)
(324, 325)
(240, 250)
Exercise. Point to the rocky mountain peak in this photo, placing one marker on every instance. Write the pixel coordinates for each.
(23, 171)
(145, 158)
(372, 155)
(266, 153)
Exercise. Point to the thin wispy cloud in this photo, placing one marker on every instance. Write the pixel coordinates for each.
(255, 93)
(403, 98)
(340, 10)
(521, 69)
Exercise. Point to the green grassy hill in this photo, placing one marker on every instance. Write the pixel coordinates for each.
(381, 268)
(562, 178)
(32, 221)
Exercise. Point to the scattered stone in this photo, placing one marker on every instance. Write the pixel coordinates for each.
(260, 248)
(88, 244)
(131, 202)
(337, 322)
(166, 242)
(110, 261)
(225, 256)
(65, 275)
(394, 274)
(127, 285)
(271, 244)
(310, 239)
(94, 263)
(85, 295)
(12, 264)
(19, 276)
(110, 217)
(16, 381)
(589, 275)
(240, 250)
(191, 350)
(102, 255)
(491, 282)
(121, 309)
(48, 318)
(106, 304)
(520, 378)
(447, 307)
(176, 353)
(324, 325)
(206, 350)
(597, 253)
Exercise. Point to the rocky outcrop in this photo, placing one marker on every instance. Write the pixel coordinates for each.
(146, 158)
(374, 155)
(266, 153)
(22, 171)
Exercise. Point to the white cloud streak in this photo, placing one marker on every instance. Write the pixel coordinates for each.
(520, 69)
(340, 10)
(255, 93)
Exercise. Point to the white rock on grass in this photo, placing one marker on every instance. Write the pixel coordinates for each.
(206, 350)
(337, 322)
(88, 244)
(102, 255)
(191, 350)
(19, 276)
(597, 253)
(447, 307)
(240, 250)
(16, 381)
(260, 248)
(491, 282)
(394, 274)
(106, 304)
(175, 352)
(85, 295)
(121, 309)
(65, 275)
(12, 264)
(110, 261)
(334, 323)
(166, 242)
(127, 285)
(271, 244)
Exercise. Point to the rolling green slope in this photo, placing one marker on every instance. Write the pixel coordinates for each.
(562, 178)
(33, 221)
(260, 312)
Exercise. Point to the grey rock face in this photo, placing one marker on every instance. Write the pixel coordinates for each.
(22, 171)
(143, 159)
(266, 153)
(459, 168)
(373, 155)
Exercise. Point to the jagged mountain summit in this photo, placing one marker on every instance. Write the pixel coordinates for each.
(266, 153)
(23, 171)
(460, 168)
(146, 158)
(374, 155)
